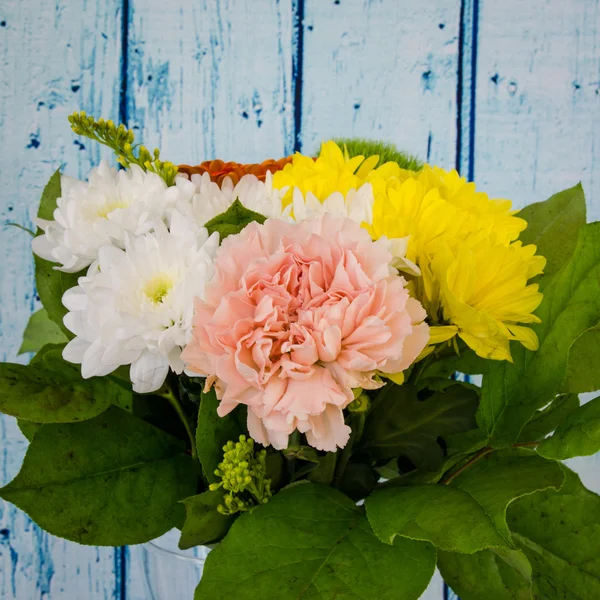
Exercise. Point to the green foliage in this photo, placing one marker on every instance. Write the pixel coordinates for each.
(577, 435)
(583, 372)
(28, 428)
(400, 424)
(50, 390)
(40, 330)
(51, 284)
(310, 541)
(545, 421)
(121, 141)
(513, 392)
(213, 432)
(560, 534)
(493, 574)
(501, 477)
(233, 220)
(242, 473)
(553, 226)
(448, 517)
(110, 481)
(51, 193)
(387, 152)
(204, 523)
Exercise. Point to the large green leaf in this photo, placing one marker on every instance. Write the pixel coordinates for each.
(213, 432)
(51, 390)
(51, 193)
(545, 421)
(51, 286)
(493, 574)
(577, 435)
(403, 425)
(553, 227)
(311, 541)
(233, 220)
(41, 330)
(50, 283)
(583, 374)
(513, 392)
(448, 517)
(500, 477)
(109, 481)
(204, 524)
(560, 534)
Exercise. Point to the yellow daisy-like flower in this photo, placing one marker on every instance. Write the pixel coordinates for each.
(474, 273)
(333, 171)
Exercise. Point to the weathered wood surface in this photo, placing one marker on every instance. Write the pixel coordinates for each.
(508, 92)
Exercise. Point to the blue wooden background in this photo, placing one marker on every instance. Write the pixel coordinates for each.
(507, 91)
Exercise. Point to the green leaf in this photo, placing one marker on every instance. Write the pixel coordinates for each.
(233, 220)
(41, 330)
(310, 541)
(553, 226)
(213, 432)
(51, 286)
(547, 420)
(583, 374)
(204, 524)
(577, 435)
(500, 477)
(110, 481)
(323, 472)
(51, 390)
(513, 392)
(401, 424)
(494, 574)
(51, 193)
(560, 534)
(446, 516)
(28, 428)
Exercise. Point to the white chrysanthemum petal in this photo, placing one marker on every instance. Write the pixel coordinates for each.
(100, 212)
(135, 306)
(148, 372)
(73, 352)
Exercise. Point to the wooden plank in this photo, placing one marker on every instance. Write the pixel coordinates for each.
(207, 80)
(538, 95)
(537, 110)
(54, 58)
(212, 79)
(382, 69)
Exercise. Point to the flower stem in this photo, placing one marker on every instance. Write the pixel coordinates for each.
(484, 452)
(170, 396)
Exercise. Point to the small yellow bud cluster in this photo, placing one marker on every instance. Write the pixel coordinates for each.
(242, 474)
(121, 139)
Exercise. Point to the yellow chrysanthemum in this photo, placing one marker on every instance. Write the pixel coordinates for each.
(474, 273)
(333, 171)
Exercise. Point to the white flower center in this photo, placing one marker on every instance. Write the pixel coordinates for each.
(105, 209)
(157, 288)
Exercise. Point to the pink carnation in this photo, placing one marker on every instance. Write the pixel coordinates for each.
(296, 316)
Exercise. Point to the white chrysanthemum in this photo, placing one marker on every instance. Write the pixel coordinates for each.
(356, 205)
(211, 200)
(101, 211)
(135, 306)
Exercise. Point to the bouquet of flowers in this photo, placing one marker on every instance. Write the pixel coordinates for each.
(338, 371)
